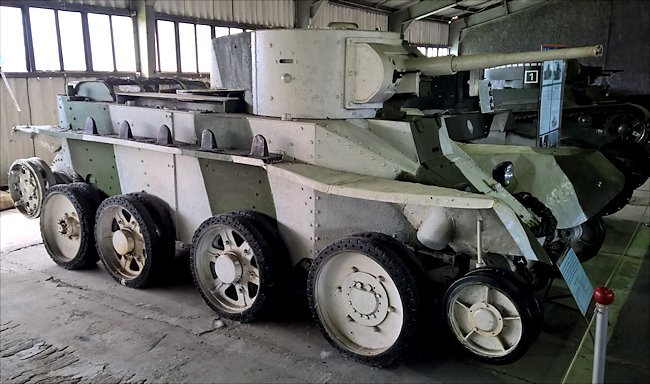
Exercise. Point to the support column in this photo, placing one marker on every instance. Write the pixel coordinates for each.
(146, 28)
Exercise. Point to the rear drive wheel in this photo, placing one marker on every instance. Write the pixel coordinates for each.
(127, 241)
(233, 267)
(67, 224)
(28, 182)
(488, 317)
(365, 299)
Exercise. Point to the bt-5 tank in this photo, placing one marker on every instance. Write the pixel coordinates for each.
(283, 164)
(591, 117)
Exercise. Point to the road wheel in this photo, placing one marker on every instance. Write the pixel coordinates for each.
(233, 266)
(28, 180)
(525, 289)
(365, 299)
(67, 223)
(489, 318)
(592, 238)
(128, 242)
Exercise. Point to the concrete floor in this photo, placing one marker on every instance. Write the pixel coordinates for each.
(65, 326)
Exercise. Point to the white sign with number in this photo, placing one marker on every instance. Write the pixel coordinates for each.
(531, 76)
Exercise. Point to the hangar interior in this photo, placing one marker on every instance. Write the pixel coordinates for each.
(417, 207)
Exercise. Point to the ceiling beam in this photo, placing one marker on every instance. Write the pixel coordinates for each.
(504, 9)
(458, 28)
(400, 21)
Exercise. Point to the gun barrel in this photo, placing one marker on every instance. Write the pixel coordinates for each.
(448, 65)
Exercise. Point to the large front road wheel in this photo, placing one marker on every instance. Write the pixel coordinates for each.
(365, 299)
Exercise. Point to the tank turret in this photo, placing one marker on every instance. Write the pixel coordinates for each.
(336, 73)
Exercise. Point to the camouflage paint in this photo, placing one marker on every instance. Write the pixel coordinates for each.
(234, 187)
(95, 162)
(73, 114)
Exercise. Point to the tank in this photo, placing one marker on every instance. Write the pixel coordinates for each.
(592, 117)
(297, 159)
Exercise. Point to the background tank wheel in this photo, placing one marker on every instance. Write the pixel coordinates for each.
(27, 185)
(364, 298)
(67, 223)
(592, 238)
(489, 318)
(128, 242)
(233, 267)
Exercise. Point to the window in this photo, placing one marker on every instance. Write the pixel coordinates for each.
(166, 46)
(433, 51)
(124, 45)
(55, 40)
(204, 47)
(187, 44)
(44, 39)
(111, 42)
(221, 31)
(72, 41)
(101, 46)
(12, 49)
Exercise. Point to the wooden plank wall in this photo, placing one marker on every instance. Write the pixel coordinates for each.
(36, 97)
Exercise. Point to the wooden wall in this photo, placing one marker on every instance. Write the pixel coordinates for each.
(36, 97)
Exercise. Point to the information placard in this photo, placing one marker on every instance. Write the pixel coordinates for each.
(550, 100)
(576, 279)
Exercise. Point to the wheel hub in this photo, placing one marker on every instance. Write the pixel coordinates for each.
(486, 319)
(367, 299)
(228, 268)
(123, 241)
(68, 226)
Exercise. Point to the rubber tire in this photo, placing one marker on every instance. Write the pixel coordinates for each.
(252, 232)
(404, 279)
(527, 291)
(161, 214)
(268, 226)
(586, 251)
(86, 207)
(93, 193)
(529, 326)
(154, 264)
(166, 230)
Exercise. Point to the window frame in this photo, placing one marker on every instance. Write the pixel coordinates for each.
(194, 21)
(84, 10)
